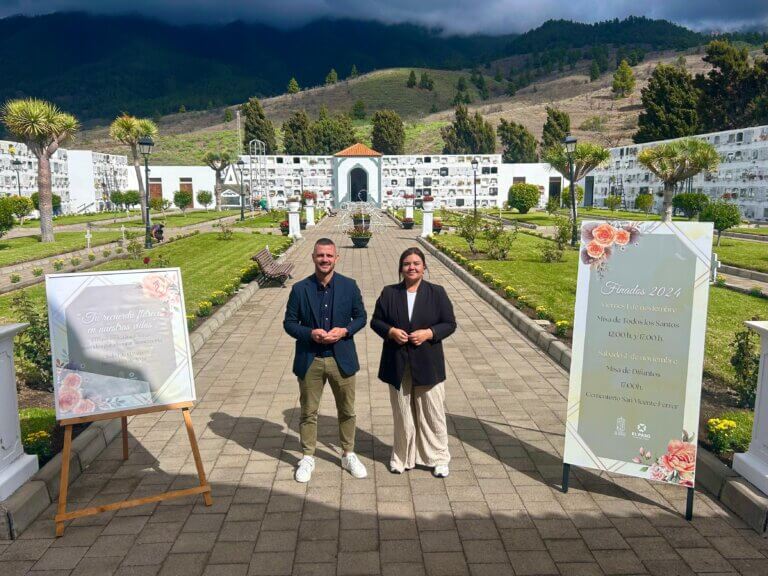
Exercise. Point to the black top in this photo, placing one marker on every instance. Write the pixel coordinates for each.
(324, 306)
(433, 310)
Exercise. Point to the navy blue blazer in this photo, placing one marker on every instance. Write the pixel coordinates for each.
(301, 318)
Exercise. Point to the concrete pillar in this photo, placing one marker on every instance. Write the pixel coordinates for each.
(309, 210)
(294, 225)
(16, 467)
(754, 464)
(427, 220)
(409, 209)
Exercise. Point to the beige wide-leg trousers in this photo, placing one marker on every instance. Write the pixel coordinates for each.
(421, 433)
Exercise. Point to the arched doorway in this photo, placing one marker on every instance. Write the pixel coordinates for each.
(358, 185)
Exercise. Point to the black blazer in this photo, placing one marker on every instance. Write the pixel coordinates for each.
(432, 309)
(301, 318)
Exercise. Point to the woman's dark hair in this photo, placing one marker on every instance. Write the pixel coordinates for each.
(410, 252)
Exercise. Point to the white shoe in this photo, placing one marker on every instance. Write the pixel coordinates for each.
(441, 471)
(352, 463)
(304, 469)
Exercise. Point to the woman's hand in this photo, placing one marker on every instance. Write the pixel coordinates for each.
(399, 336)
(418, 337)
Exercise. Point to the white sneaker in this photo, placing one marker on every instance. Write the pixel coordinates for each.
(352, 463)
(304, 469)
(441, 471)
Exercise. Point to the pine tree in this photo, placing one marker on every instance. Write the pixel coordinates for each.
(258, 126)
(353, 73)
(388, 134)
(498, 77)
(623, 80)
(411, 80)
(358, 110)
(519, 144)
(227, 115)
(332, 134)
(594, 71)
(293, 86)
(332, 77)
(297, 134)
(557, 126)
(426, 82)
(468, 135)
(669, 102)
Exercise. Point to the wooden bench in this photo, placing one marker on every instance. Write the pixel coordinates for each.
(271, 269)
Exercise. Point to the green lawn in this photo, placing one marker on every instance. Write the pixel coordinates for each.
(268, 220)
(206, 263)
(541, 218)
(176, 220)
(23, 249)
(554, 286)
(755, 231)
(743, 254)
(80, 219)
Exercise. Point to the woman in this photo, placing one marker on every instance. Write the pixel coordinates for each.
(413, 317)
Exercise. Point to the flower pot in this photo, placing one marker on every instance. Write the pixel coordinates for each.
(360, 242)
(428, 206)
(294, 206)
(437, 230)
(284, 231)
(407, 225)
(309, 202)
(303, 225)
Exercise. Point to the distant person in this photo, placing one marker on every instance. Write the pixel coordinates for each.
(157, 232)
(263, 204)
(324, 312)
(414, 317)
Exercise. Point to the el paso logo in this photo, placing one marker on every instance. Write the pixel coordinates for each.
(640, 432)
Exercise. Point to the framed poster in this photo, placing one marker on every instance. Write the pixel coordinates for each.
(638, 348)
(119, 341)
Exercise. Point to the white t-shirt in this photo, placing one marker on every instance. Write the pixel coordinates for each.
(411, 300)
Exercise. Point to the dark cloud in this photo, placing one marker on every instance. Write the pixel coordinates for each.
(459, 16)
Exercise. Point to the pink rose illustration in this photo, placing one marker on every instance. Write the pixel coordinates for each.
(69, 398)
(680, 458)
(71, 380)
(604, 234)
(155, 286)
(595, 250)
(622, 237)
(658, 473)
(85, 406)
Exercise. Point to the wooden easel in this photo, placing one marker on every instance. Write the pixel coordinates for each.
(62, 515)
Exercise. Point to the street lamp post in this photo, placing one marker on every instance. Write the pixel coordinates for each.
(145, 148)
(570, 149)
(240, 166)
(17, 168)
(475, 164)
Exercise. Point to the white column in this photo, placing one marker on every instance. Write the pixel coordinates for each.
(16, 467)
(409, 210)
(294, 226)
(427, 219)
(754, 464)
(309, 210)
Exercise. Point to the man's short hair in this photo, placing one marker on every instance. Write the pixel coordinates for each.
(324, 242)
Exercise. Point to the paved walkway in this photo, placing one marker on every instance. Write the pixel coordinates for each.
(499, 512)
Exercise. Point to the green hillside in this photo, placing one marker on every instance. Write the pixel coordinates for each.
(381, 89)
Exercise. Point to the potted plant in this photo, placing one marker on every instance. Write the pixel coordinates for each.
(309, 197)
(294, 203)
(359, 236)
(407, 223)
(303, 224)
(361, 220)
(428, 203)
(284, 227)
(437, 225)
(408, 198)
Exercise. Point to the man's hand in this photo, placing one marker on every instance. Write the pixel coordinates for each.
(418, 337)
(399, 336)
(318, 335)
(334, 335)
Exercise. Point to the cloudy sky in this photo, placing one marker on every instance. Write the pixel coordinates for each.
(459, 16)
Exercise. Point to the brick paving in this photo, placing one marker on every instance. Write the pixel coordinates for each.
(499, 512)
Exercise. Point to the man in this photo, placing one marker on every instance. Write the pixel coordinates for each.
(324, 311)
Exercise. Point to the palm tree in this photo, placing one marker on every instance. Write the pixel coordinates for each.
(128, 130)
(43, 127)
(676, 161)
(586, 157)
(218, 162)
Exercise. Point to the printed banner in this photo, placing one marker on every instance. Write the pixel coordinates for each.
(118, 341)
(638, 348)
